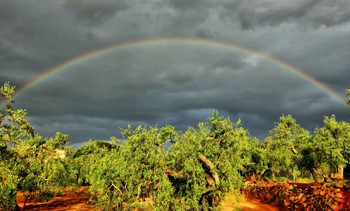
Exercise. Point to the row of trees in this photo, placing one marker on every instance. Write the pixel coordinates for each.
(292, 149)
(161, 167)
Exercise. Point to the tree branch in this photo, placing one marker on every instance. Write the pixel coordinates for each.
(211, 166)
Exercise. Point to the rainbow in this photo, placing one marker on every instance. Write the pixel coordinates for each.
(186, 41)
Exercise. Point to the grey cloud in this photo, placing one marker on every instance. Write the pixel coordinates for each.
(189, 4)
(79, 128)
(234, 63)
(329, 13)
(140, 95)
(95, 12)
(311, 13)
(204, 33)
(173, 83)
(326, 50)
(177, 78)
(273, 13)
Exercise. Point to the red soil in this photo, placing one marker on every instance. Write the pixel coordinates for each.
(246, 204)
(71, 200)
(78, 200)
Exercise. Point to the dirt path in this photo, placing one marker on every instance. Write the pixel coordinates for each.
(246, 204)
(77, 200)
(71, 200)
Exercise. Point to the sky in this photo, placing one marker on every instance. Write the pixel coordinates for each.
(90, 67)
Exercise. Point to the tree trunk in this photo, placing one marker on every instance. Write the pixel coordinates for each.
(340, 172)
(261, 175)
(211, 166)
(314, 175)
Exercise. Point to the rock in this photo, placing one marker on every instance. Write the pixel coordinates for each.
(339, 184)
(339, 195)
(335, 207)
(269, 197)
(286, 203)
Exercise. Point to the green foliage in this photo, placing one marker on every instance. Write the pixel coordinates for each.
(258, 161)
(123, 176)
(291, 148)
(47, 166)
(207, 162)
(89, 157)
(8, 92)
(332, 142)
(347, 100)
(27, 161)
(160, 168)
(9, 180)
(194, 173)
(287, 139)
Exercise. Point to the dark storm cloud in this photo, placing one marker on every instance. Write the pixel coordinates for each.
(80, 128)
(235, 63)
(204, 33)
(185, 5)
(14, 60)
(273, 13)
(37, 37)
(310, 13)
(95, 12)
(174, 84)
(132, 92)
(326, 50)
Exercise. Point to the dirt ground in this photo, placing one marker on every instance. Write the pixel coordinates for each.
(71, 200)
(246, 204)
(78, 200)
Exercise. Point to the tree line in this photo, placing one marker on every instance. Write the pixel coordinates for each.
(163, 168)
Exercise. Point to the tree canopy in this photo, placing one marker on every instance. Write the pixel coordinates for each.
(28, 162)
(333, 143)
(161, 168)
(283, 145)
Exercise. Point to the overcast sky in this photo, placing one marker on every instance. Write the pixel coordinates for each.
(174, 83)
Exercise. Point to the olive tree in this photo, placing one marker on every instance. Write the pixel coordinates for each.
(208, 162)
(284, 144)
(258, 166)
(193, 173)
(332, 143)
(88, 157)
(28, 162)
(125, 178)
